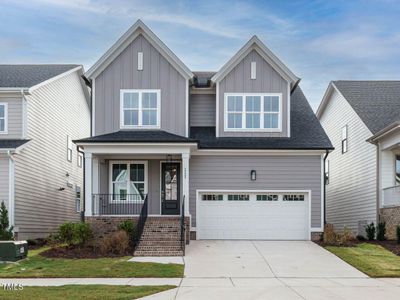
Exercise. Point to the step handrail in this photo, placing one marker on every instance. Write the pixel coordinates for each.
(137, 235)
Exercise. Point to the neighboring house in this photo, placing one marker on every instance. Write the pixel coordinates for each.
(240, 149)
(362, 119)
(42, 108)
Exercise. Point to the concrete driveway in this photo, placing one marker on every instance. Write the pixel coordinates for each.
(250, 270)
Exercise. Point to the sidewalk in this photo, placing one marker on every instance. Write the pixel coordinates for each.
(108, 281)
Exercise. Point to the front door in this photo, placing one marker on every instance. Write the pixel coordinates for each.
(170, 188)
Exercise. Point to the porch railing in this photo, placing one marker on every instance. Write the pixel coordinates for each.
(391, 196)
(118, 204)
(140, 224)
(183, 227)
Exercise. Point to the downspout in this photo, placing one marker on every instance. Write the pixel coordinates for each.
(84, 184)
(325, 157)
(378, 184)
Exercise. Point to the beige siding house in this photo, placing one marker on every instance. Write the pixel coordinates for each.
(46, 106)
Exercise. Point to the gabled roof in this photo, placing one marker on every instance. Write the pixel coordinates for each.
(28, 76)
(377, 103)
(134, 31)
(256, 44)
(306, 132)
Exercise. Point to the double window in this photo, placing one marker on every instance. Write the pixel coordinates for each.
(253, 112)
(140, 108)
(3, 118)
(128, 180)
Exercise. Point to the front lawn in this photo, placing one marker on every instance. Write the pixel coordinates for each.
(37, 266)
(83, 292)
(373, 260)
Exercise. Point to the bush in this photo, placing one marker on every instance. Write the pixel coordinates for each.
(398, 233)
(128, 226)
(361, 238)
(76, 234)
(330, 236)
(336, 239)
(116, 243)
(370, 230)
(346, 237)
(6, 232)
(381, 231)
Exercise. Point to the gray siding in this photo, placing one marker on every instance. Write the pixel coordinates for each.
(202, 110)
(54, 111)
(14, 117)
(273, 172)
(268, 81)
(4, 179)
(157, 73)
(351, 192)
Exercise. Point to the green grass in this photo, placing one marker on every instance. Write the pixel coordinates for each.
(83, 292)
(373, 260)
(37, 266)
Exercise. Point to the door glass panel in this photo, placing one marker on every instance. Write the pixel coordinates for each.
(398, 169)
(171, 183)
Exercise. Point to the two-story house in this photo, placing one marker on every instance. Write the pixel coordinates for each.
(362, 119)
(42, 109)
(238, 152)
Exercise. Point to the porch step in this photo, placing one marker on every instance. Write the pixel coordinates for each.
(160, 237)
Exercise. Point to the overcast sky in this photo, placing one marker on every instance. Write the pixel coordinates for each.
(319, 41)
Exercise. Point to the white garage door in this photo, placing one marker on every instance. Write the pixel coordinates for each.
(243, 215)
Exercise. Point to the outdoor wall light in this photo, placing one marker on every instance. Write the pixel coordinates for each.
(253, 175)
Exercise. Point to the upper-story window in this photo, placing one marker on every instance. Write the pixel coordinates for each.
(3, 118)
(140, 108)
(344, 139)
(397, 169)
(253, 112)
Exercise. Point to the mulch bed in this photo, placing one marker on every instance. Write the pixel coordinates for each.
(75, 252)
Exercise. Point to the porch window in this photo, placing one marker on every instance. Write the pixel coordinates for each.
(140, 109)
(3, 118)
(397, 169)
(129, 180)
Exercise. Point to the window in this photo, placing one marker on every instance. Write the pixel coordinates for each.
(128, 180)
(140, 108)
(253, 70)
(267, 197)
(253, 112)
(344, 139)
(326, 172)
(78, 199)
(69, 149)
(212, 197)
(293, 197)
(80, 159)
(140, 61)
(397, 169)
(238, 197)
(3, 118)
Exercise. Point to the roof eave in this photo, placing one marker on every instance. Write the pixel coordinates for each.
(384, 132)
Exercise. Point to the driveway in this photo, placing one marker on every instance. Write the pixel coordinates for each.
(249, 270)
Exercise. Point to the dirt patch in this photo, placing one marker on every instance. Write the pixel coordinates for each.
(71, 253)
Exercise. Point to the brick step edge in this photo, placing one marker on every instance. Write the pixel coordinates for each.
(157, 253)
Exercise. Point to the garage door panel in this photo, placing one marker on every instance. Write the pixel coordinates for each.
(252, 219)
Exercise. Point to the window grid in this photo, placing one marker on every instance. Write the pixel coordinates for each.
(238, 197)
(212, 197)
(267, 197)
(293, 197)
(3, 117)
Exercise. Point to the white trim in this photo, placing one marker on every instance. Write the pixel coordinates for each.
(140, 109)
(133, 148)
(130, 35)
(5, 104)
(128, 163)
(93, 106)
(288, 110)
(256, 44)
(140, 61)
(243, 113)
(217, 120)
(187, 108)
(256, 152)
(24, 116)
(309, 198)
(322, 192)
(88, 184)
(11, 190)
(35, 87)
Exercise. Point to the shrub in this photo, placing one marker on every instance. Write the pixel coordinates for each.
(74, 233)
(330, 236)
(398, 233)
(128, 226)
(381, 231)
(370, 230)
(346, 237)
(116, 243)
(360, 238)
(6, 232)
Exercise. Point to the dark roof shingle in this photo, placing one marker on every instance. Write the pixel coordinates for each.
(11, 144)
(377, 103)
(26, 76)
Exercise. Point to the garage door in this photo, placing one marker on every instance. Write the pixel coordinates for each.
(243, 215)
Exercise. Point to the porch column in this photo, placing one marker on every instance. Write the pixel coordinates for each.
(185, 183)
(88, 184)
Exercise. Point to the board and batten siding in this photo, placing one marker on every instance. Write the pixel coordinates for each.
(351, 192)
(273, 173)
(267, 81)
(54, 111)
(123, 73)
(4, 179)
(202, 110)
(14, 117)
